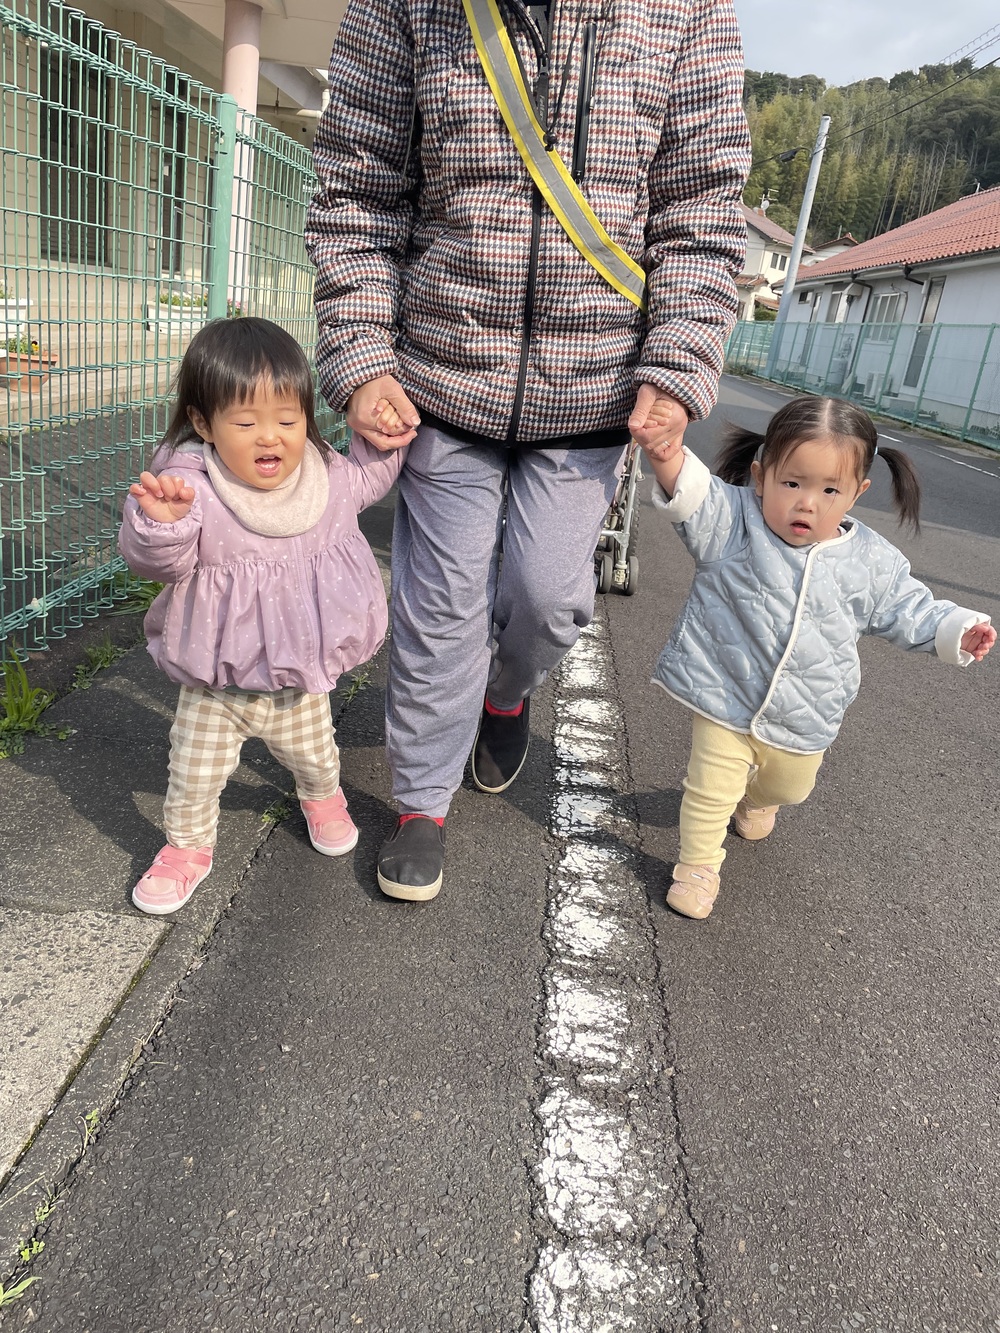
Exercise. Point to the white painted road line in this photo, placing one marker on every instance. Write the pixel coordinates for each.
(947, 457)
(606, 1176)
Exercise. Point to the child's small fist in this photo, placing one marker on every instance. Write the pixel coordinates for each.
(978, 640)
(387, 419)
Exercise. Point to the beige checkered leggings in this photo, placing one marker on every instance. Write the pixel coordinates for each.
(205, 742)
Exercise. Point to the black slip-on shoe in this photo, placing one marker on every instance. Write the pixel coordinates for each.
(411, 860)
(500, 750)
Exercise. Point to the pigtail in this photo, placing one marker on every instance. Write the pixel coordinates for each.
(905, 487)
(738, 452)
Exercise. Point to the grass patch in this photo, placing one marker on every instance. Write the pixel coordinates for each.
(97, 658)
(139, 599)
(14, 1288)
(277, 811)
(21, 708)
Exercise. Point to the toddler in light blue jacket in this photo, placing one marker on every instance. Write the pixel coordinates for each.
(764, 653)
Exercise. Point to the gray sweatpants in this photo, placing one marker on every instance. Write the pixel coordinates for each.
(461, 618)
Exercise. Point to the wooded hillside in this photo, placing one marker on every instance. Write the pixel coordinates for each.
(896, 150)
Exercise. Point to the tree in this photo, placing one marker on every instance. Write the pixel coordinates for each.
(897, 149)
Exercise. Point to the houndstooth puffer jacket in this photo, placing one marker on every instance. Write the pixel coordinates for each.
(767, 641)
(438, 262)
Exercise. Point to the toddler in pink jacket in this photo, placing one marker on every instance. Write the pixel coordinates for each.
(250, 519)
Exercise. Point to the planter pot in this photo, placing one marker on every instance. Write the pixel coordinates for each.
(12, 318)
(175, 319)
(19, 370)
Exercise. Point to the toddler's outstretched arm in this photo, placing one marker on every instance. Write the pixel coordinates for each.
(978, 640)
(666, 460)
(658, 424)
(372, 472)
(159, 534)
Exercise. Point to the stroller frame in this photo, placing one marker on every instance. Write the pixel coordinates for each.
(616, 560)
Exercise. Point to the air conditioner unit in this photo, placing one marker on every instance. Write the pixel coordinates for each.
(873, 383)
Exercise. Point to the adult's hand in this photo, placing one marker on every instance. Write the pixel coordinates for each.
(657, 419)
(382, 413)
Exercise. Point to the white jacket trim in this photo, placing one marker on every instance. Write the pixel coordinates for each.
(948, 639)
(689, 493)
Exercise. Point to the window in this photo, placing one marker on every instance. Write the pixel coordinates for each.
(783, 262)
(883, 313)
(74, 141)
(922, 338)
(931, 301)
(835, 310)
(774, 259)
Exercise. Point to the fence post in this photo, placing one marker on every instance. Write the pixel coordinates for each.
(979, 377)
(222, 211)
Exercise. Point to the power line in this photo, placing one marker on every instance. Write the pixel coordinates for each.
(789, 153)
(959, 54)
(910, 105)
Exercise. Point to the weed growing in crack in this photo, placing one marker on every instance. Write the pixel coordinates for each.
(21, 707)
(98, 659)
(360, 680)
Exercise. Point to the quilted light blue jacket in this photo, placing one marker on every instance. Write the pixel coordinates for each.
(767, 641)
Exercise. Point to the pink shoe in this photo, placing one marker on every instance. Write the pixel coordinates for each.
(171, 879)
(753, 822)
(332, 831)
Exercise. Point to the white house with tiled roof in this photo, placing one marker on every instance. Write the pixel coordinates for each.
(768, 250)
(941, 268)
(908, 321)
(830, 248)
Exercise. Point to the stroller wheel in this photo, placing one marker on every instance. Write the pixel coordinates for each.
(631, 585)
(606, 572)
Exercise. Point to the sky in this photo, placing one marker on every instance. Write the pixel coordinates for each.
(861, 39)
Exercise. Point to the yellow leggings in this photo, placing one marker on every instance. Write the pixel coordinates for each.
(716, 782)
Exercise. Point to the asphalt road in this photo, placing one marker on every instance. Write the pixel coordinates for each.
(398, 1118)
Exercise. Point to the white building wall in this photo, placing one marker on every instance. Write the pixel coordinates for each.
(971, 295)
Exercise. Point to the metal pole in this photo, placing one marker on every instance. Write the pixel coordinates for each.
(222, 212)
(815, 162)
(777, 329)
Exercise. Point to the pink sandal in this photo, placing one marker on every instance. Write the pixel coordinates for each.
(171, 879)
(332, 831)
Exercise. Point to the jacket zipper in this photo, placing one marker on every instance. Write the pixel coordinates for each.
(585, 95)
(541, 92)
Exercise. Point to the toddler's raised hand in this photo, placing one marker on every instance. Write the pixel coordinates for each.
(978, 640)
(164, 499)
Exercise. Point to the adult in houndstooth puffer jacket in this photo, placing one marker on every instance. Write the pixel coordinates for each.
(447, 289)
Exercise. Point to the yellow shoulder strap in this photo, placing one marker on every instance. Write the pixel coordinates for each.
(559, 190)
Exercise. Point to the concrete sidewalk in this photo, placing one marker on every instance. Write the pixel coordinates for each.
(85, 977)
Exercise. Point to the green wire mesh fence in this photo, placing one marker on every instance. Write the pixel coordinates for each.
(941, 377)
(136, 204)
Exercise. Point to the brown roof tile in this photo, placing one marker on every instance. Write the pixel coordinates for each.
(970, 226)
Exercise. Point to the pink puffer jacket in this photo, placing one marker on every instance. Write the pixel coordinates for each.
(263, 613)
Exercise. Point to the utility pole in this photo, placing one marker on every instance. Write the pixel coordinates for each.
(784, 304)
(815, 162)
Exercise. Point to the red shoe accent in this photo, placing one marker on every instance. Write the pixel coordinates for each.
(440, 822)
(503, 712)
